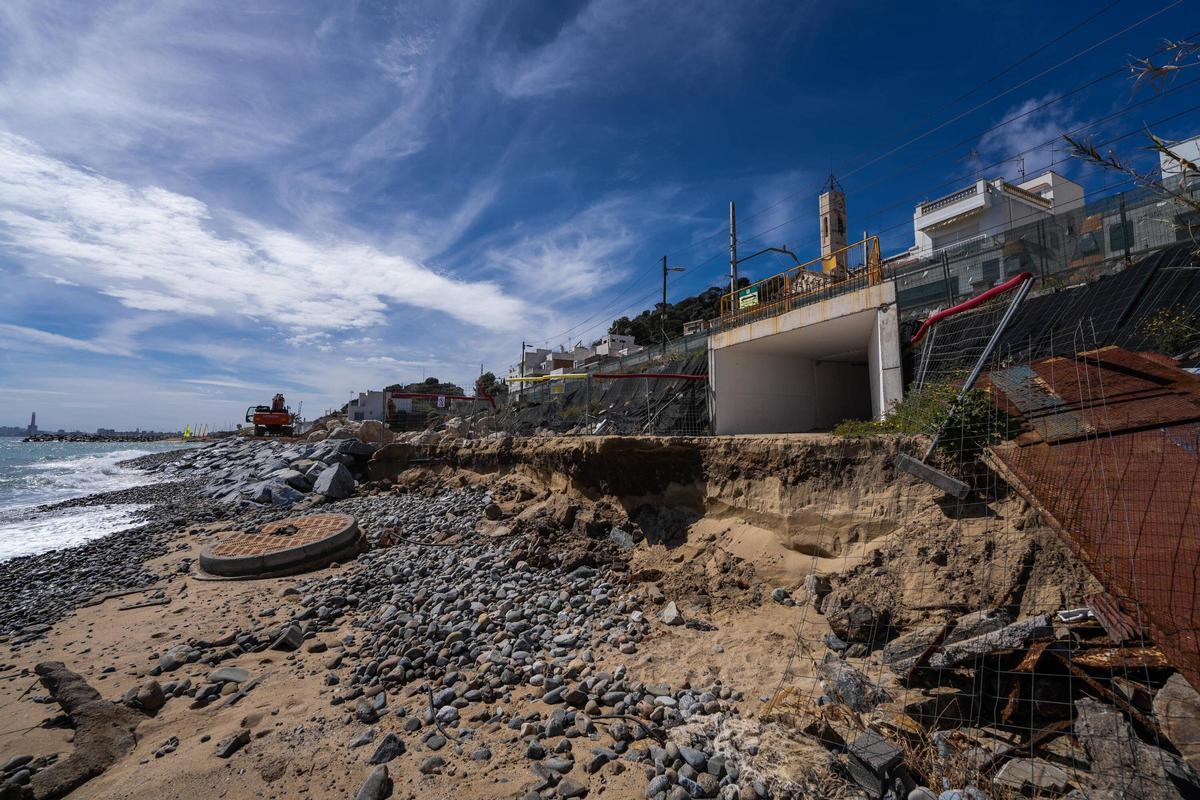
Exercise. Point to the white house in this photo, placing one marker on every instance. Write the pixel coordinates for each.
(989, 208)
(613, 343)
(374, 405)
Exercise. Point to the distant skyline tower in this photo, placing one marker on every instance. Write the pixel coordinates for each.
(32, 429)
(833, 227)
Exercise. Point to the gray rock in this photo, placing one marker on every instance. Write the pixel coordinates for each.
(228, 675)
(1122, 766)
(389, 747)
(670, 615)
(377, 786)
(857, 623)
(289, 637)
(432, 764)
(844, 683)
(694, 758)
(568, 787)
(231, 745)
(335, 482)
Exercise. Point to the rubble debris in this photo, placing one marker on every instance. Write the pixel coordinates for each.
(902, 653)
(1016, 635)
(871, 761)
(1032, 776)
(1123, 766)
(856, 623)
(1177, 709)
(845, 684)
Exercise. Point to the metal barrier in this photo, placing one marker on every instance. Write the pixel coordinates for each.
(801, 286)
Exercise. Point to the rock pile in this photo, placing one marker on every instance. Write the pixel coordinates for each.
(258, 472)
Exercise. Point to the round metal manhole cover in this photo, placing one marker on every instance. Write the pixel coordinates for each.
(287, 544)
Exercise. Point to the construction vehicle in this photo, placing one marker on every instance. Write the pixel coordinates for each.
(273, 420)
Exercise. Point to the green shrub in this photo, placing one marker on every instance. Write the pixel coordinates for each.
(976, 424)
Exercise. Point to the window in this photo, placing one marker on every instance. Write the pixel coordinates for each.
(991, 271)
(1120, 236)
(824, 226)
(358, 416)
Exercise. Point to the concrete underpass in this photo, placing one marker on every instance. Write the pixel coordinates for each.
(809, 368)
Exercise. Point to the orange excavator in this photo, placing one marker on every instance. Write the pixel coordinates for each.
(273, 420)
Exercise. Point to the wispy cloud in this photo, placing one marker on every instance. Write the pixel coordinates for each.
(19, 336)
(610, 40)
(157, 250)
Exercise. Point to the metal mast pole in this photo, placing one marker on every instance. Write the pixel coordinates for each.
(663, 315)
(733, 262)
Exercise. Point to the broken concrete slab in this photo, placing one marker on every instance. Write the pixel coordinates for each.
(1032, 776)
(1122, 766)
(1177, 708)
(1011, 637)
(103, 732)
(903, 651)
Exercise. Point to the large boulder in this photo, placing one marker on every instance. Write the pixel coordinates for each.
(374, 432)
(318, 436)
(334, 482)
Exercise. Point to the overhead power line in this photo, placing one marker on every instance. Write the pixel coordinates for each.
(636, 280)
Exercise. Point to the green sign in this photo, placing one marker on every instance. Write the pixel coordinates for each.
(748, 297)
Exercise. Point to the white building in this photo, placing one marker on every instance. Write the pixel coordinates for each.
(989, 208)
(612, 343)
(1172, 169)
(374, 405)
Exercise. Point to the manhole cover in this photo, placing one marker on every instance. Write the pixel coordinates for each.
(286, 544)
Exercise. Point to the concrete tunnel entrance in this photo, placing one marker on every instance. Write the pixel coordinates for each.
(810, 368)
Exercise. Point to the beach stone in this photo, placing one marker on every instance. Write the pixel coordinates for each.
(432, 764)
(568, 788)
(228, 675)
(389, 747)
(230, 745)
(670, 615)
(377, 786)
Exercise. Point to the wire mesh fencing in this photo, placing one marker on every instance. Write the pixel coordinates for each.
(671, 400)
(1038, 637)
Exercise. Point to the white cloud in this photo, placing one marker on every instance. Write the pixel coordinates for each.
(161, 251)
(1039, 132)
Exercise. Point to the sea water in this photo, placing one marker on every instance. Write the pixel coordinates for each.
(33, 474)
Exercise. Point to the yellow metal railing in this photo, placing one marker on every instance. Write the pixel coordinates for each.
(799, 286)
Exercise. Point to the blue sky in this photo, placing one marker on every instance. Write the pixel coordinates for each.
(204, 203)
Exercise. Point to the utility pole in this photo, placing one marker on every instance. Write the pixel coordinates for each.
(663, 315)
(733, 259)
